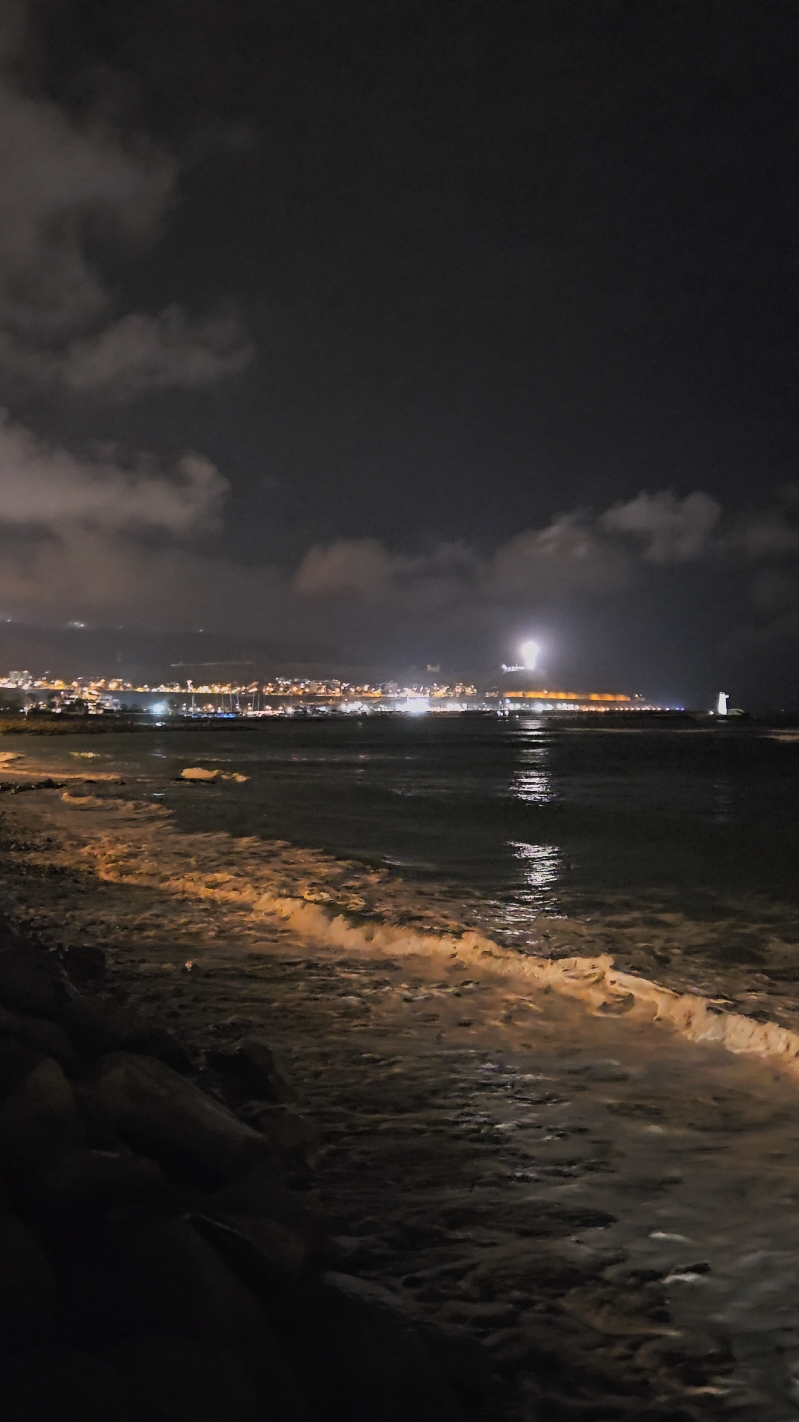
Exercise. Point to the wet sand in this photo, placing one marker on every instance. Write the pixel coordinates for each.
(610, 1207)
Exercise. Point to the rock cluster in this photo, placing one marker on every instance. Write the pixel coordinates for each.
(154, 1266)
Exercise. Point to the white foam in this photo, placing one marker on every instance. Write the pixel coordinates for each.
(189, 867)
(594, 981)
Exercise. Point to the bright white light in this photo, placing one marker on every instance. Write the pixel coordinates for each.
(530, 651)
(159, 708)
(417, 705)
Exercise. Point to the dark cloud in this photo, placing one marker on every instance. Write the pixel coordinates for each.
(47, 488)
(670, 530)
(135, 354)
(67, 189)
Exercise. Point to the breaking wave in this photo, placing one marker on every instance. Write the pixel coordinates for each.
(594, 981)
(351, 908)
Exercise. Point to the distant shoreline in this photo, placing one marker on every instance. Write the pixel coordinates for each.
(37, 724)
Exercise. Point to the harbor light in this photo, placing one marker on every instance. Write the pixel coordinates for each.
(530, 652)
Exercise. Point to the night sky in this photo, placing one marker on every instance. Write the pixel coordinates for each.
(382, 333)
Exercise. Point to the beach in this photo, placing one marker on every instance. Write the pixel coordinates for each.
(594, 1174)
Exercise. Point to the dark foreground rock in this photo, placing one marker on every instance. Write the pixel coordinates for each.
(27, 1287)
(154, 1266)
(155, 1110)
(38, 1120)
(172, 1377)
(361, 1362)
(30, 980)
(251, 1069)
(38, 1385)
(97, 1027)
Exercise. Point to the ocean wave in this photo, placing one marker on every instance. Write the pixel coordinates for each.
(351, 908)
(594, 981)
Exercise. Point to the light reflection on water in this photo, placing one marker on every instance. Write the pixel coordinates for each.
(723, 800)
(533, 787)
(532, 784)
(512, 919)
(541, 865)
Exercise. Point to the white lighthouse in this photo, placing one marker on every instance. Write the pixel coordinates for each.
(721, 704)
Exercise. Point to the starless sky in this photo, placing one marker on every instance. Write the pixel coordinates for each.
(384, 334)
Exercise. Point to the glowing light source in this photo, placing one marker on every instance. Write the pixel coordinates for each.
(417, 705)
(530, 652)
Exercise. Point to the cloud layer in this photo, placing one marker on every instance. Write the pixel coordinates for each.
(46, 489)
(575, 554)
(66, 192)
(82, 535)
(668, 529)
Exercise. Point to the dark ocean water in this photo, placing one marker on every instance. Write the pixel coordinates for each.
(518, 816)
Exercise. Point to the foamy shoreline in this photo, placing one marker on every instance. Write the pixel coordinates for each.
(101, 838)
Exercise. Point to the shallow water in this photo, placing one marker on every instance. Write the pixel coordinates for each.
(626, 1196)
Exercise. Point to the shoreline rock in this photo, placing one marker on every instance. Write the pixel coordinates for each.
(153, 1264)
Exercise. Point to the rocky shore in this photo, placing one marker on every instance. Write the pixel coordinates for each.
(252, 1176)
(153, 1262)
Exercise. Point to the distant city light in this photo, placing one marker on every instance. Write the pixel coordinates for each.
(300, 695)
(530, 652)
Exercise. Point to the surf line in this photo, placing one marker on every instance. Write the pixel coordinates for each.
(593, 981)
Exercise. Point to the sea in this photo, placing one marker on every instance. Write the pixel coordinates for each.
(624, 859)
(675, 847)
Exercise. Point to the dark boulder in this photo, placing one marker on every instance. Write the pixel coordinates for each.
(178, 1285)
(27, 1288)
(466, 1369)
(361, 1358)
(173, 1379)
(96, 1027)
(263, 1194)
(79, 1183)
(262, 1253)
(250, 1070)
(157, 1112)
(41, 1034)
(38, 1120)
(293, 1136)
(9, 938)
(91, 1313)
(62, 1385)
(31, 981)
(16, 1061)
(84, 963)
